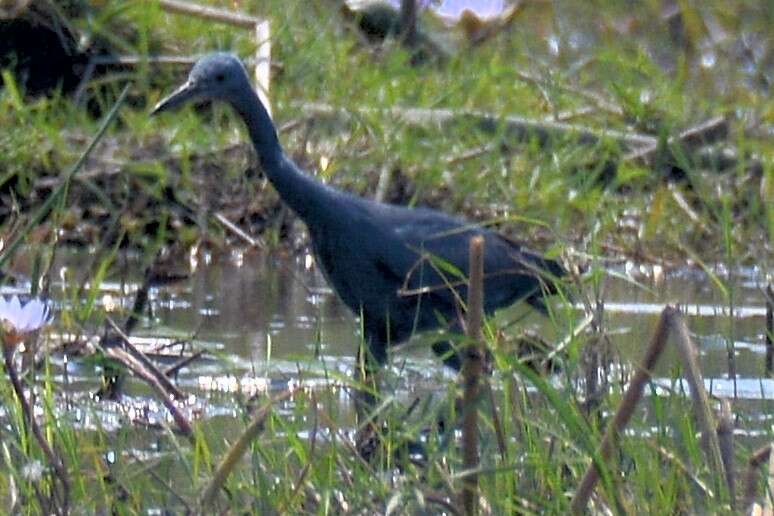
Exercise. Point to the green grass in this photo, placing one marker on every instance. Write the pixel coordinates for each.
(555, 196)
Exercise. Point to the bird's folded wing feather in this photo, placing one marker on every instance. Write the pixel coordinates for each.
(438, 254)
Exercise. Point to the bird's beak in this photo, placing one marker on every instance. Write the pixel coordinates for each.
(187, 92)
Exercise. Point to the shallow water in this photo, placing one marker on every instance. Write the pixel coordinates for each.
(264, 321)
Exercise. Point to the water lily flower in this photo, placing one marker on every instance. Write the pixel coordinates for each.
(451, 10)
(481, 9)
(19, 319)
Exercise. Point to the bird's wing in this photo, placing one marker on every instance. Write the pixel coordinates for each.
(433, 253)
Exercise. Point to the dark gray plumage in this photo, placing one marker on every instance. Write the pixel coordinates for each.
(389, 263)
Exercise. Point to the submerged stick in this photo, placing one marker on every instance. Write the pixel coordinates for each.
(472, 369)
(238, 449)
(625, 410)
(701, 403)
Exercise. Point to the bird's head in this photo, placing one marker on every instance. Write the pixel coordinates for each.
(218, 76)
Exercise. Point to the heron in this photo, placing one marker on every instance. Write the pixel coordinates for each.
(401, 269)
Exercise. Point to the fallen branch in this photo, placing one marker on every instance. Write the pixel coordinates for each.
(136, 368)
(167, 386)
(210, 13)
(704, 133)
(519, 128)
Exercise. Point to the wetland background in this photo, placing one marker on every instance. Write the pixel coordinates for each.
(635, 139)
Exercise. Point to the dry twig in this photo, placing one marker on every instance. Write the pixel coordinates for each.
(472, 369)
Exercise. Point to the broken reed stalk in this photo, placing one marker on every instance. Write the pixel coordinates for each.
(472, 369)
(60, 472)
(166, 384)
(670, 320)
(701, 403)
(625, 410)
(769, 295)
(137, 368)
(238, 449)
(725, 431)
(751, 478)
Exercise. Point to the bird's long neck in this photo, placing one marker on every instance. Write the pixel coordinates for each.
(302, 193)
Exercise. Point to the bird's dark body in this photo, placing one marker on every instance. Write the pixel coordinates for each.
(402, 269)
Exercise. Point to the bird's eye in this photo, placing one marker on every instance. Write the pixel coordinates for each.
(220, 77)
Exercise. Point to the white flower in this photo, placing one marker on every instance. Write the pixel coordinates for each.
(25, 318)
(32, 471)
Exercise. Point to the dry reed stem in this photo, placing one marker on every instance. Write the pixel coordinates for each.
(758, 457)
(472, 369)
(701, 403)
(725, 431)
(238, 449)
(625, 409)
(769, 295)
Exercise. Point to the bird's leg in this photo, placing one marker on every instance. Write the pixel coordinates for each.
(367, 382)
(365, 397)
